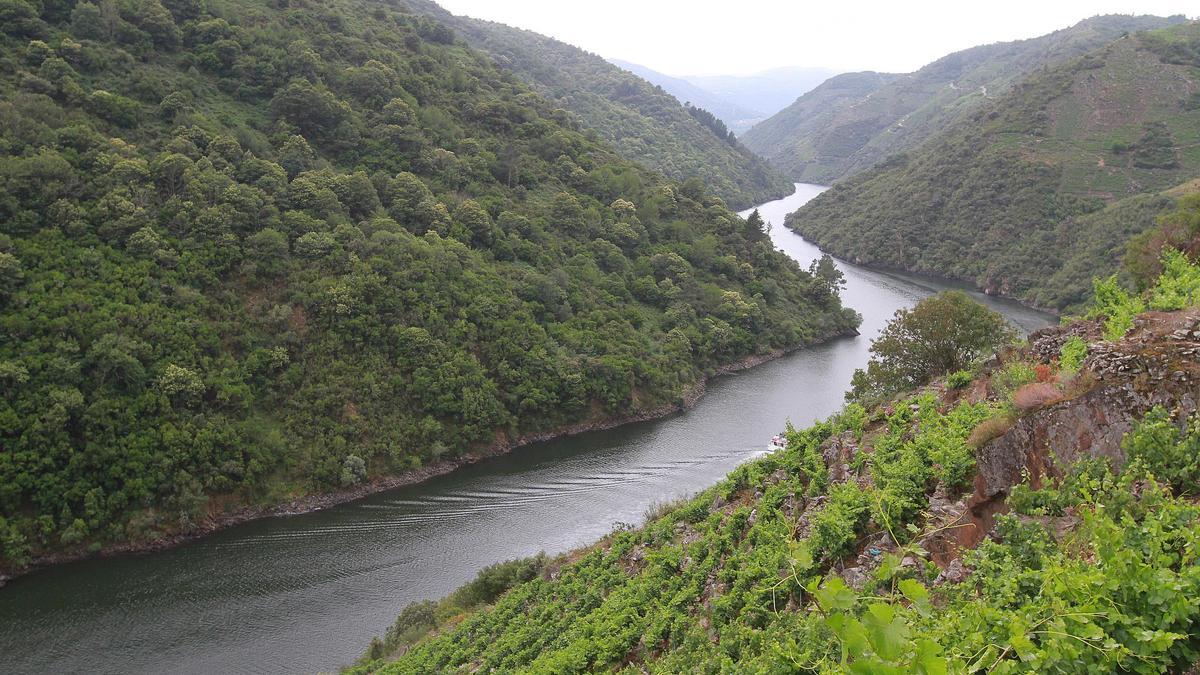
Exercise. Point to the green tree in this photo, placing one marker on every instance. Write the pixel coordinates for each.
(941, 334)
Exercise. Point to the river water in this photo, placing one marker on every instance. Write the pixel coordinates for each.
(306, 593)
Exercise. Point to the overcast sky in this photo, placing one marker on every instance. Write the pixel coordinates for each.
(705, 37)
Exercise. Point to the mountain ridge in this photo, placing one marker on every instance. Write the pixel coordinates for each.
(829, 137)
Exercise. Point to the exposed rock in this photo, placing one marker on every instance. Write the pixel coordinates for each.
(1058, 526)
(839, 452)
(1046, 343)
(955, 573)
(855, 577)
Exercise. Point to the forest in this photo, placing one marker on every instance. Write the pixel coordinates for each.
(254, 250)
(640, 120)
(1038, 191)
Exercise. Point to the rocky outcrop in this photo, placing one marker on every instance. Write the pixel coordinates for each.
(1156, 364)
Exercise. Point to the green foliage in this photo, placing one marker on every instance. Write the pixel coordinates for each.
(1072, 354)
(942, 334)
(959, 379)
(1177, 287)
(257, 250)
(1114, 595)
(855, 121)
(1170, 453)
(1022, 194)
(644, 123)
(1116, 306)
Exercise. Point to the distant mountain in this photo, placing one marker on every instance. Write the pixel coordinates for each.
(851, 122)
(644, 123)
(769, 91)
(1037, 189)
(735, 115)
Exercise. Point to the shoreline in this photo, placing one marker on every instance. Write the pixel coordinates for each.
(965, 284)
(323, 500)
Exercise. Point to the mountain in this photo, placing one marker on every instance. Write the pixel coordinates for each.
(736, 115)
(1034, 515)
(769, 91)
(1035, 191)
(641, 122)
(254, 251)
(847, 125)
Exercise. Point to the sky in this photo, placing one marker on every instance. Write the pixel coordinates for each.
(707, 37)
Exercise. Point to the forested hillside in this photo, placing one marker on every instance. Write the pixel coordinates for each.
(854, 121)
(1037, 191)
(256, 249)
(736, 114)
(642, 122)
(1030, 509)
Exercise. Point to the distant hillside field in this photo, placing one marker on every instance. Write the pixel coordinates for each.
(851, 122)
(1037, 190)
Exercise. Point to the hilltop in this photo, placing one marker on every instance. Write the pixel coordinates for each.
(638, 119)
(1037, 191)
(256, 251)
(854, 121)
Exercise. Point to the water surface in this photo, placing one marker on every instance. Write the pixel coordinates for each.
(307, 593)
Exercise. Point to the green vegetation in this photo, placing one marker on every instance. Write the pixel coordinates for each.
(742, 577)
(819, 558)
(252, 250)
(940, 335)
(1027, 197)
(854, 121)
(640, 120)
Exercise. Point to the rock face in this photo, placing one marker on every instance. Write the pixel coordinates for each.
(1155, 364)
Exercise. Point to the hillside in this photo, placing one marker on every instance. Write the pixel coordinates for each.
(1037, 192)
(848, 125)
(251, 251)
(1035, 514)
(643, 123)
(736, 115)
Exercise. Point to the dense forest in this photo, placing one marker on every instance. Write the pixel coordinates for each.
(1032, 511)
(641, 121)
(852, 122)
(250, 250)
(1038, 191)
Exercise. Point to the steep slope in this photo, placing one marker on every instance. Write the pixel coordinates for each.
(253, 250)
(1038, 517)
(816, 141)
(1037, 191)
(735, 114)
(643, 123)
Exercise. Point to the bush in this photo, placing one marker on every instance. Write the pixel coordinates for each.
(1035, 395)
(989, 430)
(942, 334)
(959, 379)
(1072, 354)
(1170, 454)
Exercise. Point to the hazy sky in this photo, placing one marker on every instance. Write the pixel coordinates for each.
(703, 37)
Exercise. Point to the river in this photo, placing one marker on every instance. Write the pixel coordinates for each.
(307, 593)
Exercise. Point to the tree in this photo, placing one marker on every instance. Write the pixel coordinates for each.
(942, 334)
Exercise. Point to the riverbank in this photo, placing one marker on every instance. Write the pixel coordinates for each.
(323, 500)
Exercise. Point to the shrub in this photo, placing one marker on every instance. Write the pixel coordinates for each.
(1072, 354)
(959, 379)
(1171, 454)
(1035, 395)
(942, 334)
(988, 430)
